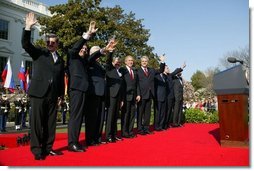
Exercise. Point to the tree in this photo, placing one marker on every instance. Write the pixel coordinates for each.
(208, 83)
(70, 20)
(198, 80)
(188, 90)
(241, 54)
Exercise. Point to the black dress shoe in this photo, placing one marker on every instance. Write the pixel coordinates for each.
(93, 143)
(148, 132)
(75, 148)
(39, 157)
(103, 142)
(118, 139)
(141, 133)
(174, 125)
(111, 140)
(125, 136)
(55, 153)
(159, 129)
(132, 136)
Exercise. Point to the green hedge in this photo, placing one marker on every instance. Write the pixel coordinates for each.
(199, 116)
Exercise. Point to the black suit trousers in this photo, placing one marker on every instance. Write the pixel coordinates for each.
(93, 108)
(112, 116)
(101, 119)
(128, 118)
(144, 114)
(169, 112)
(160, 114)
(43, 123)
(178, 111)
(77, 109)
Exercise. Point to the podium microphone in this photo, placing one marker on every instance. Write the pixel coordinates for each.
(234, 60)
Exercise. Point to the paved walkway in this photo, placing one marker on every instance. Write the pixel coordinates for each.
(10, 128)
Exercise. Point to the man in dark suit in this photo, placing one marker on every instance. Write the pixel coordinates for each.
(146, 77)
(114, 97)
(132, 97)
(178, 107)
(77, 63)
(95, 95)
(46, 86)
(161, 100)
(170, 95)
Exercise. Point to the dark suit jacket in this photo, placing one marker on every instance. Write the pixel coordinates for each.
(77, 67)
(113, 80)
(146, 83)
(131, 87)
(160, 88)
(170, 90)
(96, 77)
(178, 88)
(45, 71)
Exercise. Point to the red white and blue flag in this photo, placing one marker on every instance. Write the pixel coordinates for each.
(4, 74)
(7, 77)
(22, 77)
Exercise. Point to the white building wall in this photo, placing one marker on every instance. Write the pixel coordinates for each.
(14, 11)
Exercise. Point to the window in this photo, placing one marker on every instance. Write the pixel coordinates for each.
(32, 35)
(3, 29)
(3, 62)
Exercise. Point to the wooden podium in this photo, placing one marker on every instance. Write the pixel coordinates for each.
(232, 91)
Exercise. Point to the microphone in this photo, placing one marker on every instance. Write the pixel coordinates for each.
(234, 60)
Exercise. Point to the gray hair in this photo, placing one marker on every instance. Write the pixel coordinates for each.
(94, 49)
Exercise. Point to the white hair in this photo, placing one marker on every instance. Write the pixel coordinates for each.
(94, 49)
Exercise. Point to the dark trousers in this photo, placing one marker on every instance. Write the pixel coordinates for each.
(93, 108)
(178, 111)
(112, 115)
(43, 124)
(77, 109)
(3, 119)
(160, 114)
(24, 114)
(144, 114)
(64, 117)
(18, 117)
(169, 112)
(101, 119)
(128, 118)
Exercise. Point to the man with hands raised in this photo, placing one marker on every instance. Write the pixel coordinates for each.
(46, 87)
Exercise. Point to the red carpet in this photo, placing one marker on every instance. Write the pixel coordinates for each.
(191, 145)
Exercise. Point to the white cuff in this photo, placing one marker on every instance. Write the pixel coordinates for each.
(102, 51)
(86, 36)
(28, 28)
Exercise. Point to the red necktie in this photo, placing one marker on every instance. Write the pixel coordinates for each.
(146, 72)
(131, 74)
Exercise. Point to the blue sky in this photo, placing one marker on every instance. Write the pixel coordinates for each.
(199, 32)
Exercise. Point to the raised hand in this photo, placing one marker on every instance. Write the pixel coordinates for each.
(111, 45)
(162, 58)
(30, 20)
(92, 28)
(184, 65)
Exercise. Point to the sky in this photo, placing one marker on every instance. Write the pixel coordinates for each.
(198, 32)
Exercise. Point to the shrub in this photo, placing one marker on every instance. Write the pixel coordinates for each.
(199, 116)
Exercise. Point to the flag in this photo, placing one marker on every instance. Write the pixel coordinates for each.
(22, 77)
(9, 81)
(27, 79)
(4, 74)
